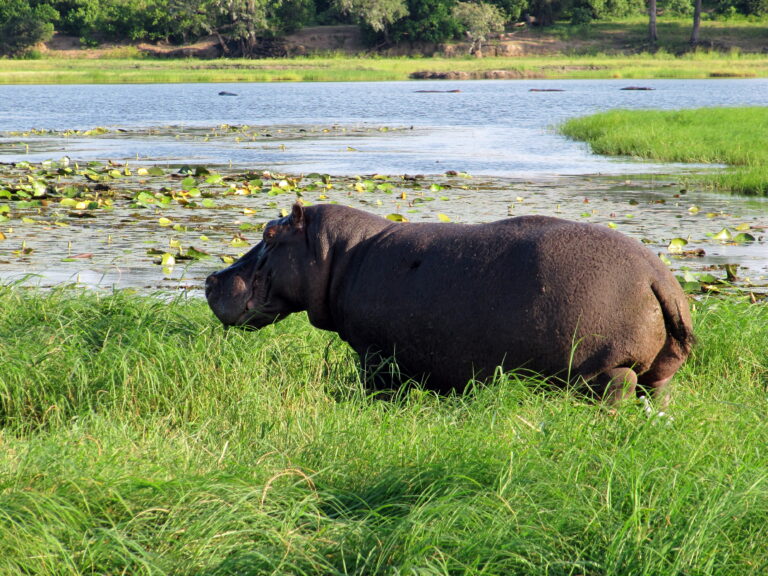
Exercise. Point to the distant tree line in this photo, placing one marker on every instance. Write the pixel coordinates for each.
(242, 25)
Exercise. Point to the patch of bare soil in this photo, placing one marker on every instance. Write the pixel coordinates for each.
(205, 48)
(63, 46)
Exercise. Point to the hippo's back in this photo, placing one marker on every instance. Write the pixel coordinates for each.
(454, 301)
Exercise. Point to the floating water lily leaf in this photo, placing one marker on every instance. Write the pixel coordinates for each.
(443, 218)
(664, 259)
(724, 235)
(214, 179)
(676, 245)
(742, 227)
(227, 259)
(707, 278)
(188, 183)
(38, 188)
(2, 236)
(743, 237)
(694, 209)
(155, 171)
(164, 222)
(238, 242)
(168, 260)
(612, 225)
(196, 254)
(689, 276)
(397, 218)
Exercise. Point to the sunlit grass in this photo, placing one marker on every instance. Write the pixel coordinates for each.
(737, 137)
(140, 437)
(350, 69)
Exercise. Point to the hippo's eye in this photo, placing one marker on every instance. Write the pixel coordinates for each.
(270, 233)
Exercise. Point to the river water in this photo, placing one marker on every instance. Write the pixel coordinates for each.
(500, 128)
(503, 133)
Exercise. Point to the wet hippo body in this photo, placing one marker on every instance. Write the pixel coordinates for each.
(452, 302)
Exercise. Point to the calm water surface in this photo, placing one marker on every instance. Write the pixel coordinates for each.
(491, 127)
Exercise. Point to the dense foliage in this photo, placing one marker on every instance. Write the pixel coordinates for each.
(242, 25)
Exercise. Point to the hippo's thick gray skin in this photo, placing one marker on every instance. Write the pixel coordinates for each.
(452, 302)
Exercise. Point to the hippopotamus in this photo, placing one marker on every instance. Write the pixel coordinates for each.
(579, 304)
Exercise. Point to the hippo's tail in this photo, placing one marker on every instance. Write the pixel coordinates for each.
(677, 317)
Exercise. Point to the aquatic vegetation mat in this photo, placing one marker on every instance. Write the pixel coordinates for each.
(166, 226)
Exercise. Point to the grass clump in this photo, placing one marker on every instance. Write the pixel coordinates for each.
(140, 437)
(737, 137)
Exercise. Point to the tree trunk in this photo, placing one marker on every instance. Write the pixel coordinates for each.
(696, 23)
(652, 36)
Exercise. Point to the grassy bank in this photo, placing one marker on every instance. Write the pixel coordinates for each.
(731, 47)
(737, 137)
(139, 437)
(349, 69)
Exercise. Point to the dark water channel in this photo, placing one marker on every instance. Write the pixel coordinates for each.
(499, 132)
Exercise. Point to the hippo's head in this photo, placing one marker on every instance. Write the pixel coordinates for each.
(265, 285)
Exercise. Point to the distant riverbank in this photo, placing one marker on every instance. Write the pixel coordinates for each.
(138, 70)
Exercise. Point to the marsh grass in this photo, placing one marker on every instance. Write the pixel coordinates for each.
(140, 437)
(736, 137)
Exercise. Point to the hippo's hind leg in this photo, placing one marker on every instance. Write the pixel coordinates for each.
(614, 385)
(658, 388)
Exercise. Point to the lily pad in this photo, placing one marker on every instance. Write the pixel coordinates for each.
(724, 235)
(743, 238)
(676, 245)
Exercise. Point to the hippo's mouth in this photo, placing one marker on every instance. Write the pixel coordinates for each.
(254, 317)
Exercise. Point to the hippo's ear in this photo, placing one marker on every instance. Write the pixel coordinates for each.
(297, 215)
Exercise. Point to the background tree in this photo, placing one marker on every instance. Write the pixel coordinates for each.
(427, 21)
(378, 15)
(22, 25)
(240, 23)
(290, 15)
(544, 12)
(652, 34)
(479, 20)
(512, 9)
(696, 22)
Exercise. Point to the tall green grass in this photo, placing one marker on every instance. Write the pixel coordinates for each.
(737, 137)
(139, 437)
